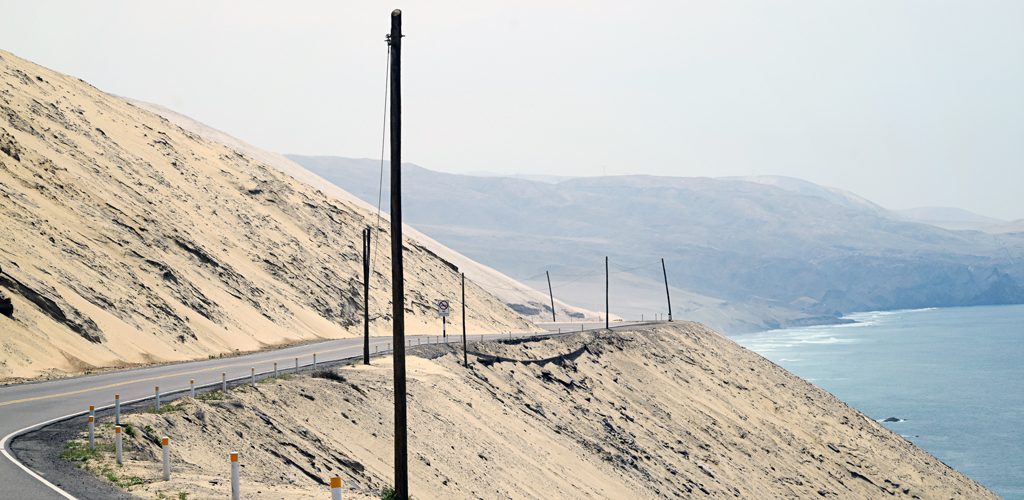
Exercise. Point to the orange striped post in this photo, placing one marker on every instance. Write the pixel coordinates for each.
(158, 399)
(224, 383)
(253, 378)
(192, 387)
(275, 369)
(117, 444)
(117, 409)
(335, 488)
(92, 433)
(235, 494)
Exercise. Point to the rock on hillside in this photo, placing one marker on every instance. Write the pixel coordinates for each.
(661, 412)
(128, 240)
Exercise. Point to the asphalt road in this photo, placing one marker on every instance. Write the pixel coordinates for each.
(27, 405)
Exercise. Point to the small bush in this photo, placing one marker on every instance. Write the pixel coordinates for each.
(388, 493)
(212, 396)
(129, 431)
(329, 375)
(76, 451)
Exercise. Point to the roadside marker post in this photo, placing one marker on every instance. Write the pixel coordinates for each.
(235, 494)
(224, 383)
(167, 458)
(117, 409)
(92, 433)
(158, 399)
(253, 378)
(192, 388)
(314, 361)
(296, 366)
(275, 369)
(117, 444)
(92, 411)
(335, 488)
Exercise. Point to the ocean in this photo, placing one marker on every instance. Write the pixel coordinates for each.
(953, 376)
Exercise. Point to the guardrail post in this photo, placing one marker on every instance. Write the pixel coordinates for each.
(235, 493)
(158, 399)
(275, 369)
(167, 457)
(335, 488)
(92, 433)
(224, 383)
(253, 378)
(117, 444)
(117, 409)
(192, 388)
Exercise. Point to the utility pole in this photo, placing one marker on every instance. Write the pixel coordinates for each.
(465, 357)
(397, 276)
(552, 297)
(606, 318)
(366, 296)
(665, 274)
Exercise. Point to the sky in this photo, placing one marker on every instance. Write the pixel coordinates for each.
(907, 104)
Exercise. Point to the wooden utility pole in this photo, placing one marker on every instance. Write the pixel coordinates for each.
(397, 276)
(465, 357)
(552, 297)
(606, 318)
(665, 274)
(366, 296)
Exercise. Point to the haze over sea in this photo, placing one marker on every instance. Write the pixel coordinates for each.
(954, 376)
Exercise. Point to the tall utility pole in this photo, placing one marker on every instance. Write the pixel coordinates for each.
(397, 276)
(366, 296)
(606, 293)
(665, 274)
(552, 297)
(465, 357)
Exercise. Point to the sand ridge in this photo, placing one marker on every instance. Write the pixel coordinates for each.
(127, 240)
(671, 411)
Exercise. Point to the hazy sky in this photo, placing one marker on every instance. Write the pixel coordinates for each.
(905, 103)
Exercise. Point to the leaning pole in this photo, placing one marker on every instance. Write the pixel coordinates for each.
(397, 276)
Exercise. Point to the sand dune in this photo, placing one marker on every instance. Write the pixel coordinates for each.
(661, 412)
(128, 240)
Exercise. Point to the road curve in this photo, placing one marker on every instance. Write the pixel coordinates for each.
(26, 407)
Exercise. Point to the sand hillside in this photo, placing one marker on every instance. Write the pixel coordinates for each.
(128, 240)
(662, 412)
(520, 297)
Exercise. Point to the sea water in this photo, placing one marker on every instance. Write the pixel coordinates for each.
(953, 376)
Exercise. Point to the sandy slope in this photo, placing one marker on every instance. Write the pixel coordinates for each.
(128, 240)
(519, 296)
(663, 412)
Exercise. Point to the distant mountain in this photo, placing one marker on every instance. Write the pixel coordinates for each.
(838, 196)
(750, 255)
(950, 218)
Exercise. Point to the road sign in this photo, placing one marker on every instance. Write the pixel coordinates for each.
(442, 308)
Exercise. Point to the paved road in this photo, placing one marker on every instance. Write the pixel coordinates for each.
(27, 405)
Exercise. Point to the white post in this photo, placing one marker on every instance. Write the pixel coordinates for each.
(296, 366)
(235, 494)
(117, 443)
(314, 361)
(117, 409)
(224, 383)
(254, 378)
(335, 488)
(275, 369)
(167, 458)
(92, 411)
(92, 433)
(192, 387)
(158, 399)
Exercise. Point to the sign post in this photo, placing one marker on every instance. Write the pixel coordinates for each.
(443, 308)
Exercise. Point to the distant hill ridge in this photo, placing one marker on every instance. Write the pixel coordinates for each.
(741, 255)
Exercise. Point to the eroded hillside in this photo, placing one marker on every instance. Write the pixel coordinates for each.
(127, 240)
(672, 411)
